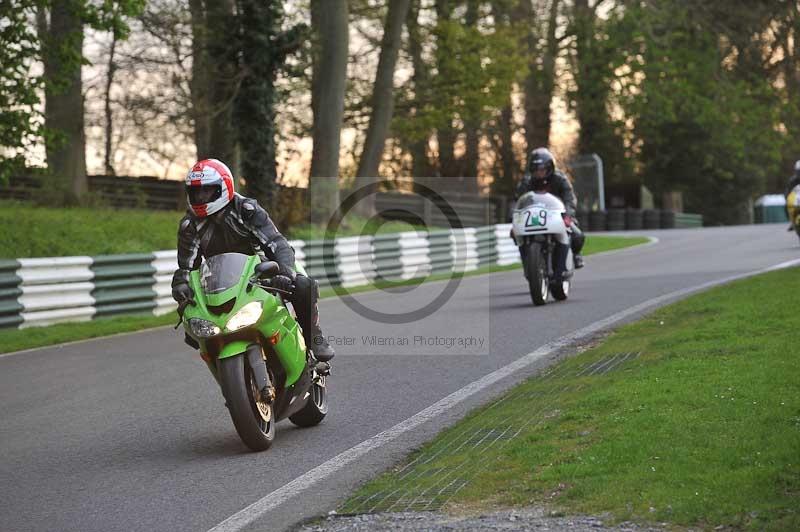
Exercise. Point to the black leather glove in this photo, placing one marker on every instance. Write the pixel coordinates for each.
(182, 293)
(286, 270)
(283, 283)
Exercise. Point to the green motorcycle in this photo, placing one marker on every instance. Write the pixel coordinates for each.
(249, 337)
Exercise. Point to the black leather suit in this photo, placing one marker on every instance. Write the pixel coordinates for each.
(243, 226)
(560, 186)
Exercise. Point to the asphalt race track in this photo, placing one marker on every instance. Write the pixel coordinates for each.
(130, 432)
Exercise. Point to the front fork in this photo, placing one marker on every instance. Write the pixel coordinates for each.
(258, 366)
(255, 360)
(555, 256)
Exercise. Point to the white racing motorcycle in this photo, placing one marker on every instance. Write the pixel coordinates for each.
(542, 232)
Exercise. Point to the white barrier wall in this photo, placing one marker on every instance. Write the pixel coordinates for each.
(50, 290)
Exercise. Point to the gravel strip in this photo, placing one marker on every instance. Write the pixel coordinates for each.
(519, 519)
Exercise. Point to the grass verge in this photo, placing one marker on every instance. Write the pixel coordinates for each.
(27, 231)
(18, 339)
(690, 416)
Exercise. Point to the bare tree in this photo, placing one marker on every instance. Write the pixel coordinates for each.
(382, 102)
(215, 77)
(472, 112)
(540, 83)
(331, 36)
(109, 115)
(421, 167)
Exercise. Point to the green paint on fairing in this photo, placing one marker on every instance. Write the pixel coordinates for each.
(291, 347)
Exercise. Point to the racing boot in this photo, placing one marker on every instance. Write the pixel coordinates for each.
(578, 260)
(319, 344)
(305, 297)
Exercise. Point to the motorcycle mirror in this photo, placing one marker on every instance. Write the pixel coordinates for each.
(267, 269)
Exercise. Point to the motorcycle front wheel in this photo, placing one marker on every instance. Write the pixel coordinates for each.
(253, 418)
(536, 272)
(560, 290)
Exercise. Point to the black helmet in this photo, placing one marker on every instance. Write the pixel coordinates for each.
(541, 166)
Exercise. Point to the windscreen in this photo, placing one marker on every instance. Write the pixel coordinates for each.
(546, 201)
(221, 272)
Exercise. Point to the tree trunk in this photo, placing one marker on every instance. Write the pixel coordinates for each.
(382, 103)
(215, 76)
(591, 94)
(200, 79)
(329, 24)
(222, 86)
(421, 168)
(445, 134)
(505, 182)
(112, 68)
(255, 102)
(540, 83)
(472, 122)
(63, 110)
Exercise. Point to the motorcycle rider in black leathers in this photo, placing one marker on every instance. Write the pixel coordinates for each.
(221, 221)
(542, 176)
(793, 182)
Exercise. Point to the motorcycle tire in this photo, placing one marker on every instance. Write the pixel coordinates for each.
(253, 419)
(536, 270)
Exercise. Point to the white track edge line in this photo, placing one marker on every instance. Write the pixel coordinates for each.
(248, 515)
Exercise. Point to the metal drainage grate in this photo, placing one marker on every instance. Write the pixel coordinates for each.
(607, 364)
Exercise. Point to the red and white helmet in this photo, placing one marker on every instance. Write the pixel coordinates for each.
(209, 187)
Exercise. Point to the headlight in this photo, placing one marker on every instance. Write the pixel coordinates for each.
(203, 328)
(248, 315)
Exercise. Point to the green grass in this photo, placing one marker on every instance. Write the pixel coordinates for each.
(18, 339)
(598, 244)
(28, 231)
(701, 429)
(355, 225)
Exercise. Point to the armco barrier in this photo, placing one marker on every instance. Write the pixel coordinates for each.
(414, 255)
(507, 252)
(123, 284)
(49, 290)
(10, 290)
(386, 253)
(356, 265)
(56, 289)
(685, 220)
(441, 259)
(164, 265)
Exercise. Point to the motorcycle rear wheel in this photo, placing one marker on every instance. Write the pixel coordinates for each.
(316, 407)
(536, 270)
(254, 420)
